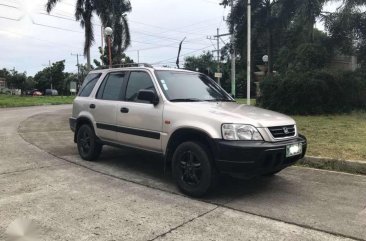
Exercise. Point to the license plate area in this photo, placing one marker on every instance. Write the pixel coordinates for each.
(294, 150)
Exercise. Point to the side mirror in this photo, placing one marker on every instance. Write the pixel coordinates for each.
(148, 96)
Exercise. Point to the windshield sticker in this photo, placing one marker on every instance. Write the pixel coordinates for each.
(162, 81)
(165, 86)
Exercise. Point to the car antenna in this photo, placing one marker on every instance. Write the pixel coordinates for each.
(180, 48)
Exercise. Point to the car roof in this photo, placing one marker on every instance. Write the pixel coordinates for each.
(139, 68)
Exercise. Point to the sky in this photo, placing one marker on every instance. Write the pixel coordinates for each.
(30, 39)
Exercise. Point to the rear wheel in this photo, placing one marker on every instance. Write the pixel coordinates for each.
(193, 170)
(88, 147)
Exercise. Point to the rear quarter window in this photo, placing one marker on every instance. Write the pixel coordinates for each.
(89, 84)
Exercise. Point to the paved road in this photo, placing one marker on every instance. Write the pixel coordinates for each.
(126, 196)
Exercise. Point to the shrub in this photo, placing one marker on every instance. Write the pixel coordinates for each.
(317, 92)
(309, 57)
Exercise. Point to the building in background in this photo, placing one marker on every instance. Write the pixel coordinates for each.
(2, 83)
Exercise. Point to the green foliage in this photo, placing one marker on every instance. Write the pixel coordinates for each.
(112, 13)
(116, 57)
(52, 75)
(14, 79)
(314, 92)
(310, 57)
(205, 63)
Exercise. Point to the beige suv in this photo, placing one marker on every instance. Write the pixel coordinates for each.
(199, 129)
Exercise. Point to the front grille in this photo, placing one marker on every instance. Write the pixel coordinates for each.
(282, 131)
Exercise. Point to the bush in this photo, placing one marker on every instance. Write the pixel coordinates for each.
(310, 56)
(318, 92)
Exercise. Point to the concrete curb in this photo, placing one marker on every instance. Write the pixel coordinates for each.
(350, 166)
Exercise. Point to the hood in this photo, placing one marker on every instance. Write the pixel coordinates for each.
(231, 112)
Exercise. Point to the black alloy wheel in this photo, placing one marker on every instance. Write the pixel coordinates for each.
(193, 170)
(87, 144)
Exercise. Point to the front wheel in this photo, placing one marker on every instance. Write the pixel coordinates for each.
(271, 174)
(193, 170)
(88, 147)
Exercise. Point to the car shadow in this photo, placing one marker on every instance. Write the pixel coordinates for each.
(148, 169)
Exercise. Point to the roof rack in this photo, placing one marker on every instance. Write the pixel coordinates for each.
(126, 65)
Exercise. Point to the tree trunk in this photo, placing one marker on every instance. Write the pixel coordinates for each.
(311, 31)
(270, 51)
(88, 60)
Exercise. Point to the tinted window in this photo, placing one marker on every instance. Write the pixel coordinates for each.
(111, 87)
(88, 85)
(138, 81)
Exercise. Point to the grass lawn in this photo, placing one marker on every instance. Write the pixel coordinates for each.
(18, 101)
(334, 136)
(244, 101)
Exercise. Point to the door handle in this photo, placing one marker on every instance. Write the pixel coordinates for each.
(92, 106)
(124, 110)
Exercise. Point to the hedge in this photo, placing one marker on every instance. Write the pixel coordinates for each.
(317, 92)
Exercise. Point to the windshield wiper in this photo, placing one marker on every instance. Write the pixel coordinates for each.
(186, 100)
(220, 100)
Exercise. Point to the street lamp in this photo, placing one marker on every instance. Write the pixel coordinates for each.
(108, 32)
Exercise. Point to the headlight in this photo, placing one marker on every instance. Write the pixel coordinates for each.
(238, 132)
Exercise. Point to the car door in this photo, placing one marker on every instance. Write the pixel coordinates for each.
(140, 123)
(105, 106)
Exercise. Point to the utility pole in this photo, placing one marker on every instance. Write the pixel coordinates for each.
(218, 55)
(249, 51)
(102, 38)
(233, 59)
(78, 65)
(217, 38)
(138, 56)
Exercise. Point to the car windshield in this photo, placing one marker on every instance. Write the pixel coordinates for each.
(190, 87)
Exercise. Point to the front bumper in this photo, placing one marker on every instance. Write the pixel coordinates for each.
(254, 158)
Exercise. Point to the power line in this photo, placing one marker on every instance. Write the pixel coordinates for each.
(12, 19)
(183, 55)
(9, 6)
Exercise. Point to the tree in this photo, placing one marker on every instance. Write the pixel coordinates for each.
(17, 80)
(347, 28)
(113, 14)
(53, 75)
(205, 63)
(271, 19)
(308, 11)
(116, 58)
(109, 11)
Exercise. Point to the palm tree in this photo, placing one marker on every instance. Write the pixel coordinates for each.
(308, 11)
(111, 13)
(269, 19)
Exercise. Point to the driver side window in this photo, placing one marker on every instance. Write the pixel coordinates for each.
(138, 81)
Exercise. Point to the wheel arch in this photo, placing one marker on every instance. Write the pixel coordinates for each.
(81, 121)
(187, 134)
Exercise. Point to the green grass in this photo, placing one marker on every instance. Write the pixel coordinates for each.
(7, 101)
(334, 136)
(244, 101)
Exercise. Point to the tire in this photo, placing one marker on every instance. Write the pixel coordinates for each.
(88, 147)
(271, 174)
(193, 169)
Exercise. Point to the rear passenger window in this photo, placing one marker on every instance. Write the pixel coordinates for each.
(138, 81)
(88, 85)
(111, 88)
